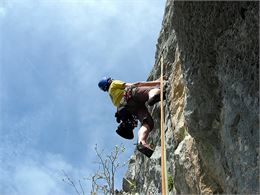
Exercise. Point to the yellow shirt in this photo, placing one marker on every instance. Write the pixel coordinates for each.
(116, 91)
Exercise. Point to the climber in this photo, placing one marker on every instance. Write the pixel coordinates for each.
(132, 97)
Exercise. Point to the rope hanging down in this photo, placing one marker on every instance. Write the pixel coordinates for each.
(163, 150)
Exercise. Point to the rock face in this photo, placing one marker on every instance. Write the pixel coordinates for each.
(211, 57)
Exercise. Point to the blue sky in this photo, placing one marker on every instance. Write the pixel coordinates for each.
(52, 54)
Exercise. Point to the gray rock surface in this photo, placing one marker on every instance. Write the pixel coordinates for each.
(211, 58)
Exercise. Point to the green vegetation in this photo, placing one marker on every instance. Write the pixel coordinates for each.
(182, 133)
(170, 182)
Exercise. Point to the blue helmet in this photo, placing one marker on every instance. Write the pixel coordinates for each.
(104, 83)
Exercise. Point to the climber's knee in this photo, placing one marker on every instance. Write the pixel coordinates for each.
(148, 122)
(145, 117)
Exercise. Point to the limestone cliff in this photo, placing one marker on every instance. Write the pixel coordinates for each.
(211, 58)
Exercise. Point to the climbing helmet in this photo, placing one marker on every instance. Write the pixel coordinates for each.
(104, 83)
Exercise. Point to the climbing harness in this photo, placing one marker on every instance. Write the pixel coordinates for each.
(128, 93)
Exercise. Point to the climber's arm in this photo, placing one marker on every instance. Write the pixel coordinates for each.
(147, 83)
(143, 84)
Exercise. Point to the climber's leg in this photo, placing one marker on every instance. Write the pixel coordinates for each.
(154, 92)
(143, 134)
(147, 125)
(142, 146)
(154, 96)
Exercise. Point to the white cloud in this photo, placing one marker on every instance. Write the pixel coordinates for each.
(95, 37)
(2, 11)
(4, 5)
(33, 180)
(39, 175)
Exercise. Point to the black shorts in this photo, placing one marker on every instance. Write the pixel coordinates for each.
(136, 105)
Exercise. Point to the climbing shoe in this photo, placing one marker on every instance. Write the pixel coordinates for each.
(145, 150)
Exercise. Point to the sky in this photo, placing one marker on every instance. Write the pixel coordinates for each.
(52, 55)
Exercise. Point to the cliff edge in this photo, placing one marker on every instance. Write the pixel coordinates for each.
(211, 59)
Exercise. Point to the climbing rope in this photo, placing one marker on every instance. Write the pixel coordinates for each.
(164, 172)
(163, 150)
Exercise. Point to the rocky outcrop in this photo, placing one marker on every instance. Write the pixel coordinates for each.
(211, 58)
